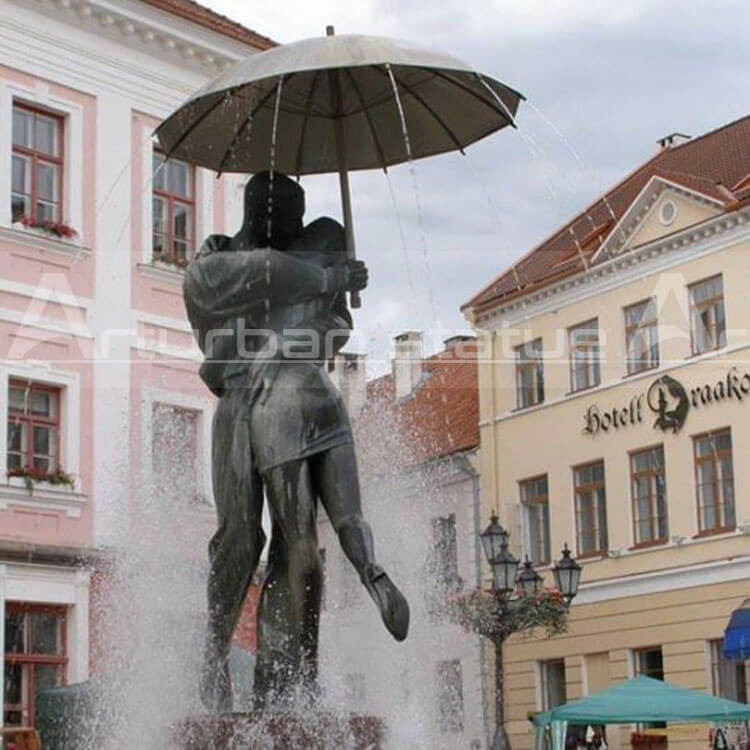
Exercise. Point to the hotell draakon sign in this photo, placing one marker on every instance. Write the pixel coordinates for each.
(668, 399)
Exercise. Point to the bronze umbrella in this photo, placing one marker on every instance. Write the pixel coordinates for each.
(334, 104)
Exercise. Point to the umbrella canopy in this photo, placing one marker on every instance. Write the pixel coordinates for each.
(737, 633)
(646, 699)
(229, 125)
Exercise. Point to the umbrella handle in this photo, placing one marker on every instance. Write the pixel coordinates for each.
(355, 300)
(346, 198)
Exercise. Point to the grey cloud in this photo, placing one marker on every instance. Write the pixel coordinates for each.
(612, 77)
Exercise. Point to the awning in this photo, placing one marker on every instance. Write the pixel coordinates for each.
(646, 699)
(737, 634)
(641, 699)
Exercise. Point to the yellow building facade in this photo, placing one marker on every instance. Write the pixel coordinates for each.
(615, 417)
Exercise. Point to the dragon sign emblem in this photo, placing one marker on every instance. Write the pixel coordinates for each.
(669, 401)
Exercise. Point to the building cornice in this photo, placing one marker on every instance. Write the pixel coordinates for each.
(660, 581)
(41, 557)
(155, 31)
(163, 273)
(700, 239)
(60, 60)
(42, 496)
(204, 16)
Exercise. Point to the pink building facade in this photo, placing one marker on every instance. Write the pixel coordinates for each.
(95, 352)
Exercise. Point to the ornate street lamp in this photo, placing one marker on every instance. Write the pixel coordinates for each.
(528, 579)
(567, 574)
(505, 579)
(493, 538)
(504, 572)
(504, 565)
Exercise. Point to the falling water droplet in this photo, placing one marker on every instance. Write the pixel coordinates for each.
(407, 144)
(147, 186)
(272, 169)
(402, 237)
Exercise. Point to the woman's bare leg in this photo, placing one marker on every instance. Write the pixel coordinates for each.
(336, 482)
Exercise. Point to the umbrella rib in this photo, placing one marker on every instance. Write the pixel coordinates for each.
(437, 117)
(248, 120)
(366, 112)
(473, 93)
(308, 107)
(193, 126)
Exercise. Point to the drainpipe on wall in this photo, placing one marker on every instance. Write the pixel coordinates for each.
(464, 465)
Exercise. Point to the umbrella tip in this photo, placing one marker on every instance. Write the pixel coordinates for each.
(330, 31)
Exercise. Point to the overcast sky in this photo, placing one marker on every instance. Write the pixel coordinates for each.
(611, 77)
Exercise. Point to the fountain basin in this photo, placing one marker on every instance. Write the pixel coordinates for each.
(314, 730)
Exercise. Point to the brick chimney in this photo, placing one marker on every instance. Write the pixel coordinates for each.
(673, 139)
(459, 338)
(348, 372)
(407, 364)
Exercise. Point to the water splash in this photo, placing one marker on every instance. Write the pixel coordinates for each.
(400, 678)
(536, 150)
(535, 147)
(404, 249)
(271, 173)
(566, 142)
(151, 614)
(150, 611)
(417, 198)
(238, 132)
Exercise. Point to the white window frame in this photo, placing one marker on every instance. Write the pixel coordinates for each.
(205, 408)
(47, 584)
(593, 363)
(72, 112)
(523, 509)
(204, 197)
(540, 680)
(538, 685)
(70, 432)
(710, 646)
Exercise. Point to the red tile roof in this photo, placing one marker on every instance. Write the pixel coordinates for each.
(204, 16)
(711, 164)
(440, 418)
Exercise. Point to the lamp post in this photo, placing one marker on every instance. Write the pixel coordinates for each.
(506, 580)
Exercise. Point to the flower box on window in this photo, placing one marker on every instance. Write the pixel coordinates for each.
(56, 228)
(31, 477)
(172, 263)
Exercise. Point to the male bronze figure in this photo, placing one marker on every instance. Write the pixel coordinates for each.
(268, 307)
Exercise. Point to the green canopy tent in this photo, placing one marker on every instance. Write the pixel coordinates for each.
(639, 699)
